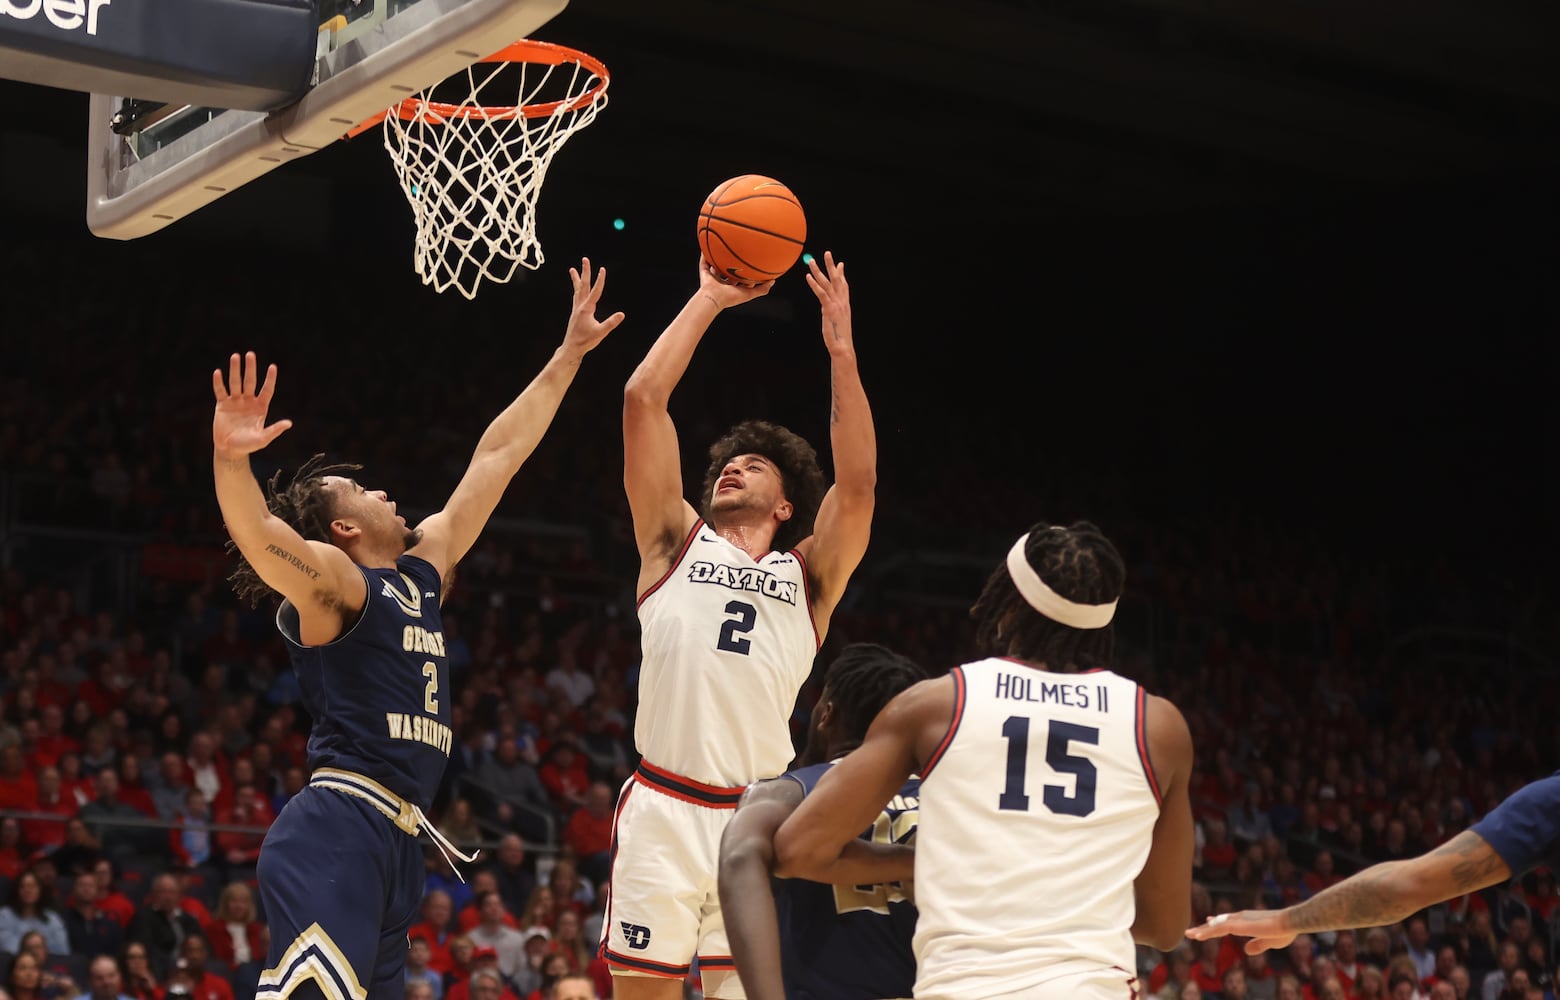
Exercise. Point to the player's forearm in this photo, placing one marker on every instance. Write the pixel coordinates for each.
(748, 906)
(852, 435)
(855, 862)
(515, 432)
(667, 360)
(244, 511)
(1372, 898)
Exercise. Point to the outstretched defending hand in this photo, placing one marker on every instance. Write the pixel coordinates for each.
(585, 330)
(726, 293)
(1266, 928)
(828, 283)
(239, 427)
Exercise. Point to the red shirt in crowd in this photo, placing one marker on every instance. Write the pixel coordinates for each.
(439, 958)
(587, 834)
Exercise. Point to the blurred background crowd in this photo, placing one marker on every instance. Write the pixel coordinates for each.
(1350, 702)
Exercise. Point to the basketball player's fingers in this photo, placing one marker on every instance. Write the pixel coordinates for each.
(1257, 945)
(250, 375)
(268, 387)
(235, 374)
(599, 284)
(218, 387)
(611, 323)
(273, 432)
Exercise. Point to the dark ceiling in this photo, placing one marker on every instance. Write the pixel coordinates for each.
(1015, 110)
(1039, 107)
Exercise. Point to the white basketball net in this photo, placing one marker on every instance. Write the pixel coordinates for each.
(472, 171)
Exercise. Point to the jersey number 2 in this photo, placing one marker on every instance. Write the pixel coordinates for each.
(1081, 801)
(734, 630)
(431, 671)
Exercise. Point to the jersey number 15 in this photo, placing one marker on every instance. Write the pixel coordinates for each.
(1060, 760)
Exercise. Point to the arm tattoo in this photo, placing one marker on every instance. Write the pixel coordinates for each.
(834, 403)
(1368, 899)
(1477, 866)
(1361, 901)
(297, 563)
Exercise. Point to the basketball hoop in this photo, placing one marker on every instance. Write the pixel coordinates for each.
(472, 169)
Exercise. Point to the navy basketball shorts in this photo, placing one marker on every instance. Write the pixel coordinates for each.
(341, 883)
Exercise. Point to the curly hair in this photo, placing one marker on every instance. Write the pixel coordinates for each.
(801, 479)
(1080, 564)
(303, 503)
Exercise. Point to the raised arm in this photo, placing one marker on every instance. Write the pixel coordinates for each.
(819, 841)
(1163, 889)
(747, 899)
(652, 464)
(515, 433)
(844, 523)
(316, 577)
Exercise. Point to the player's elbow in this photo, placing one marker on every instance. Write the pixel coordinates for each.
(1162, 924)
(1162, 935)
(796, 857)
(740, 855)
(641, 393)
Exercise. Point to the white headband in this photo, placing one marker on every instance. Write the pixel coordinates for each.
(1047, 601)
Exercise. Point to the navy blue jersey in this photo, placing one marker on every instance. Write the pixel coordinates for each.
(380, 695)
(850, 943)
(1525, 829)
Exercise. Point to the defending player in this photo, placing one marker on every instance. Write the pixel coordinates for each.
(801, 940)
(341, 871)
(733, 603)
(1055, 827)
(1517, 836)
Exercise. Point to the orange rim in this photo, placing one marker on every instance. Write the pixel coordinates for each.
(525, 51)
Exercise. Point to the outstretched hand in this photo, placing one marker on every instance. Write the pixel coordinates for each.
(1267, 929)
(726, 294)
(829, 285)
(238, 426)
(585, 330)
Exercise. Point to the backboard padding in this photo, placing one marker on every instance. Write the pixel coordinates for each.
(131, 195)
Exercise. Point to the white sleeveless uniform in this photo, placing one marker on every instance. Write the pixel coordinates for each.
(1037, 814)
(726, 644)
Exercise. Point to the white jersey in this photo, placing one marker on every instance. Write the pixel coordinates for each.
(727, 643)
(1037, 814)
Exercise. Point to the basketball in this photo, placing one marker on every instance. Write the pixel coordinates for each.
(751, 229)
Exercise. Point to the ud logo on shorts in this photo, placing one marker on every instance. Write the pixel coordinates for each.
(638, 937)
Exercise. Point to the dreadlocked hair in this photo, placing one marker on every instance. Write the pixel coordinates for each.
(1081, 565)
(304, 504)
(864, 678)
(800, 477)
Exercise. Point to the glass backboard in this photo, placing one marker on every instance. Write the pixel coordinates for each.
(151, 164)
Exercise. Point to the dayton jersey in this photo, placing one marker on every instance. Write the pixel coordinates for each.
(850, 942)
(379, 694)
(727, 642)
(1037, 814)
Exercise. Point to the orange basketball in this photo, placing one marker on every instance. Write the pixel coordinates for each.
(751, 229)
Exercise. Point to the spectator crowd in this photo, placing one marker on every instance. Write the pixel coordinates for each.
(151, 728)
